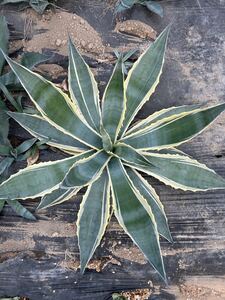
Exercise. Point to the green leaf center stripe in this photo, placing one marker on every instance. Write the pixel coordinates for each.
(147, 191)
(180, 172)
(48, 98)
(56, 197)
(38, 180)
(106, 140)
(149, 194)
(176, 131)
(87, 170)
(143, 78)
(83, 88)
(176, 170)
(135, 215)
(93, 218)
(114, 102)
(127, 153)
(42, 129)
(160, 117)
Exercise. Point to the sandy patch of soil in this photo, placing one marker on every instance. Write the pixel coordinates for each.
(51, 70)
(52, 30)
(201, 293)
(71, 262)
(137, 29)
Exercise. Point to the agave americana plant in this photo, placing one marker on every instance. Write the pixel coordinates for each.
(106, 153)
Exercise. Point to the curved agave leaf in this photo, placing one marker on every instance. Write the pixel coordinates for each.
(84, 171)
(106, 140)
(167, 114)
(113, 104)
(135, 215)
(39, 5)
(178, 171)
(42, 129)
(57, 196)
(28, 60)
(83, 88)
(147, 191)
(4, 128)
(184, 173)
(38, 180)
(48, 99)
(5, 164)
(2, 204)
(122, 5)
(151, 5)
(5, 150)
(143, 78)
(4, 40)
(93, 218)
(9, 97)
(129, 154)
(168, 151)
(26, 145)
(174, 132)
(21, 210)
(154, 7)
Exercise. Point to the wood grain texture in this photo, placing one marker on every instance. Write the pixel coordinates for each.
(40, 260)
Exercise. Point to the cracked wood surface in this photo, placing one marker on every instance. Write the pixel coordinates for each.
(40, 260)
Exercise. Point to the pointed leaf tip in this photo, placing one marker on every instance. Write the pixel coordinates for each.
(83, 88)
(135, 216)
(173, 130)
(91, 230)
(143, 78)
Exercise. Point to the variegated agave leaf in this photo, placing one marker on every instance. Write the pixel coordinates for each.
(106, 154)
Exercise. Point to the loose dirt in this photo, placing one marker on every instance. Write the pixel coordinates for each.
(137, 29)
(52, 30)
(140, 294)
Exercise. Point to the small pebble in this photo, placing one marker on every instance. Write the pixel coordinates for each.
(90, 46)
(55, 234)
(83, 43)
(58, 42)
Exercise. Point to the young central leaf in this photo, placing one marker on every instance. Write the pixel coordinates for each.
(106, 141)
(113, 103)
